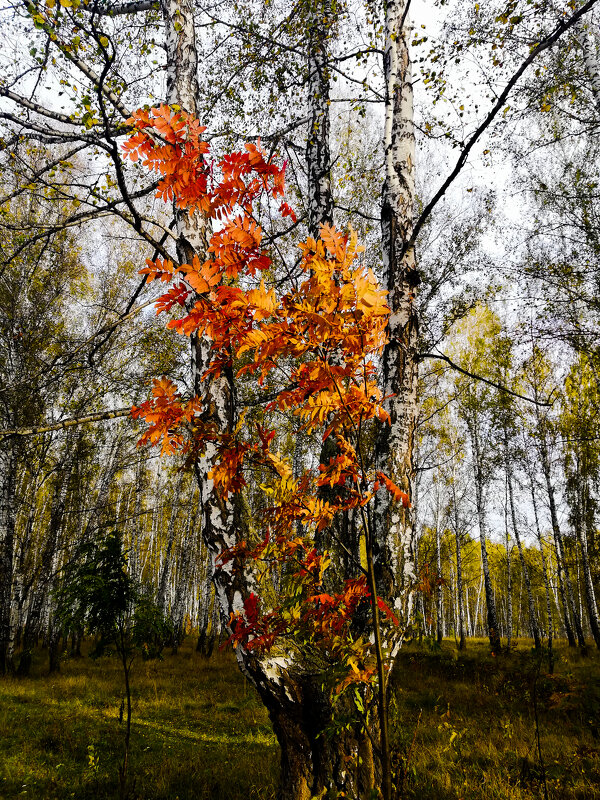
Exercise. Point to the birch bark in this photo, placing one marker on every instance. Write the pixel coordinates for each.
(299, 710)
(459, 573)
(533, 622)
(394, 524)
(545, 574)
(318, 157)
(48, 559)
(563, 568)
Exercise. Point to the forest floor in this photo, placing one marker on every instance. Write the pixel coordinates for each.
(464, 727)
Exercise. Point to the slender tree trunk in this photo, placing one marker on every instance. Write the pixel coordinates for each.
(590, 595)
(533, 623)
(394, 524)
(546, 577)
(560, 557)
(459, 584)
(439, 589)
(509, 608)
(161, 595)
(492, 617)
(136, 524)
(48, 559)
(8, 468)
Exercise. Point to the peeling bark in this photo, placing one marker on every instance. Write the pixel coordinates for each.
(318, 157)
(394, 524)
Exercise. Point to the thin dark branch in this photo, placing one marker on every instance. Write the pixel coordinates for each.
(535, 51)
(494, 384)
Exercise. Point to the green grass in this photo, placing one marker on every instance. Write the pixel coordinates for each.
(463, 727)
(198, 732)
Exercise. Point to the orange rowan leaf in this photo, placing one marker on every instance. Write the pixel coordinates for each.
(383, 606)
(394, 490)
(287, 211)
(158, 269)
(334, 241)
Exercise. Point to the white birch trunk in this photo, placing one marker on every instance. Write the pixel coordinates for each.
(394, 525)
(318, 158)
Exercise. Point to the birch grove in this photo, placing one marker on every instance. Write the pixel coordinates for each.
(79, 345)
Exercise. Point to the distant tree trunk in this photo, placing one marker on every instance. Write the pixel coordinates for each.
(136, 523)
(8, 468)
(492, 617)
(185, 568)
(581, 530)
(478, 604)
(54, 652)
(439, 588)
(509, 607)
(459, 581)
(161, 595)
(546, 577)
(206, 641)
(46, 568)
(560, 557)
(533, 623)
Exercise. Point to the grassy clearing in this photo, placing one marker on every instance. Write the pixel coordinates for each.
(198, 732)
(463, 728)
(472, 720)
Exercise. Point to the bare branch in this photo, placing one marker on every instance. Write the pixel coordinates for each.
(39, 109)
(116, 9)
(535, 51)
(476, 377)
(68, 423)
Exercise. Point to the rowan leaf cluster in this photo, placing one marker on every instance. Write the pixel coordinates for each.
(327, 333)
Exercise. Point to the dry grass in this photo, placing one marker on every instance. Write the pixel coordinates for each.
(476, 736)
